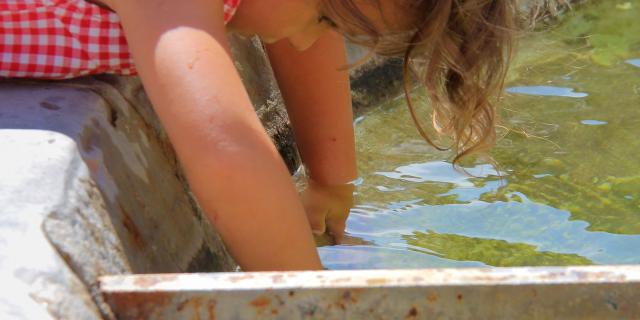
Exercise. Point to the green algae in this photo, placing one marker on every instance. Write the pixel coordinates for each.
(497, 253)
(569, 169)
(588, 167)
(608, 30)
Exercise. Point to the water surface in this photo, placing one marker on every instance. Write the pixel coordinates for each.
(568, 190)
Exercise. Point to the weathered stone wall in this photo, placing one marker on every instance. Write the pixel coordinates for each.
(115, 204)
(55, 236)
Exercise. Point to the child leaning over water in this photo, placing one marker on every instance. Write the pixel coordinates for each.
(457, 48)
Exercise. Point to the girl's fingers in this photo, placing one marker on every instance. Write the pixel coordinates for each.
(337, 231)
(336, 223)
(317, 218)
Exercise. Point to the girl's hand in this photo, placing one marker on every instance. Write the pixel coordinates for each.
(327, 207)
(315, 86)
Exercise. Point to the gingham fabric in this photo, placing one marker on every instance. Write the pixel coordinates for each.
(59, 39)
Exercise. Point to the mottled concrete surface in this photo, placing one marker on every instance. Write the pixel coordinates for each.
(47, 197)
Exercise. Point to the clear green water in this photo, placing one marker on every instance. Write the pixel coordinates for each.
(568, 196)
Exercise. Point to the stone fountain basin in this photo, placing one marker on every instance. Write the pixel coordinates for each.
(97, 221)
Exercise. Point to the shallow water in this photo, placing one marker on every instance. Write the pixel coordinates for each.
(570, 187)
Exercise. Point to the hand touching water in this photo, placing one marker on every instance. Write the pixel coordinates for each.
(327, 207)
(322, 121)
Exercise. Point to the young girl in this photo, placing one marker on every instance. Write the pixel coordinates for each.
(180, 51)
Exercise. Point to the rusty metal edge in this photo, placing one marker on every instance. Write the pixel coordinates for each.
(253, 281)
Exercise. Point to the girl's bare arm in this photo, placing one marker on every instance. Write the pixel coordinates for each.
(315, 86)
(238, 177)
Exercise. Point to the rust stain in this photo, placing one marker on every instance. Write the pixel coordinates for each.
(413, 312)
(274, 311)
(196, 302)
(376, 281)
(459, 297)
(211, 309)
(138, 306)
(278, 278)
(235, 279)
(149, 281)
(432, 297)
(132, 229)
(292, 293)
(181, 305)
(261, 302)
(348, 296)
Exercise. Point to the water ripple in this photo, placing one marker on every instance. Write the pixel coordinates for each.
(593, 122)
(547, 91)
(634, 62)
(438, 171)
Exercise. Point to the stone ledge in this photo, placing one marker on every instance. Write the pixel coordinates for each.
(591, 292)
(97, 194)
(55, 240)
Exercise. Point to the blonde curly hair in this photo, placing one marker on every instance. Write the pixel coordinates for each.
(459, 50)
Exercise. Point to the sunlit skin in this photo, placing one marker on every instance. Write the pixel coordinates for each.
(302, 22)
(182, 55)
(298, 21)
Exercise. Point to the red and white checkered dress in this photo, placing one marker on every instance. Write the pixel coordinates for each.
(59, 39)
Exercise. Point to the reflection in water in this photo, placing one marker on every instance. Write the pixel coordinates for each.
(593, 122)
(497, 253)
(567, 190)
(439, 171)
(547, 91)
(634, 62)
(369, 257)
(523, 221)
